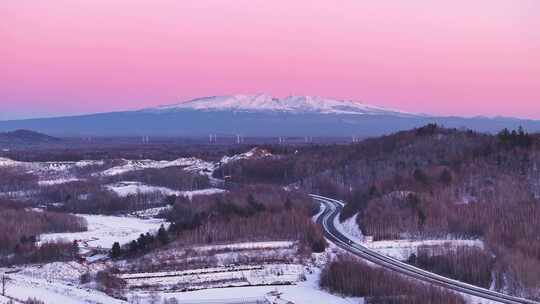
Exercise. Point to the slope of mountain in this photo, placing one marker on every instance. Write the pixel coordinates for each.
(25, 137)
(268, 103)
(256, 115)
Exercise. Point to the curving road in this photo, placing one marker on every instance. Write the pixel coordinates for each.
(331, 212)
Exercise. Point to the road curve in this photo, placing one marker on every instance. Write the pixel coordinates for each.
(332, 209)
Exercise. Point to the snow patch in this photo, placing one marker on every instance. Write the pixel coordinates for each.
(58, 181)
(402, 249)
(151, 212)
(103, 230)
(350, 229)
(6, 162)
(254, 153)
(67, 272)
(129, 188)
(247, 245)
(190, 164)
(124, 189)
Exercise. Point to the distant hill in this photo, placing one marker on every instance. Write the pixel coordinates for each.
(258, 115)
(26, 137)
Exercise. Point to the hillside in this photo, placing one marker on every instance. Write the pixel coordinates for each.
(430, 183)
(25, 137)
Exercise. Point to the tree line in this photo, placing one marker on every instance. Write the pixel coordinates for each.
(252, 213)
(175, 178)
(20, 228)
(348, 276)
(464, 263)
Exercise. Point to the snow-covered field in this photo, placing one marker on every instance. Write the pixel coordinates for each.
(304, 292)
(216, 277)
(103, 230)
(55, 292)
(129, 188)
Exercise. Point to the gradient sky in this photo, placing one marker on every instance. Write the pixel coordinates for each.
(466, 57)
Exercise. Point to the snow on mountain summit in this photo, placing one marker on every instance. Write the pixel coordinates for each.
(263, 102)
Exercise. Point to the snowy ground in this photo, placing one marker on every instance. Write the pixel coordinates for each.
(306, 292)
(58, 282)
(50, 182)
(216, 277)
(103, 230)
(65, 272)
(349, 228)
(129, 188)
(53, 292)
(216, 283)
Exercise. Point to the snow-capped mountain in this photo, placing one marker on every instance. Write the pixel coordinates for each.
(257, 115)
(290, 104)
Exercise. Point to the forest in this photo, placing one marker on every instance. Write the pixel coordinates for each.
(349, 276)
(173, 177)
(465, 264)
(429, 183)
(20, 229)
(252, 213)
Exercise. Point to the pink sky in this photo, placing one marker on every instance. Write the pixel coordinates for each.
(463, 57)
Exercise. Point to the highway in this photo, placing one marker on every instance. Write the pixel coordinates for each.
(331, 212)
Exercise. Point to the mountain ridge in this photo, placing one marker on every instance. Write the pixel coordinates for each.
(266, 102)
(258, 115)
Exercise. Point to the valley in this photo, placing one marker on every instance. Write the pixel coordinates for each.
(237, 221)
